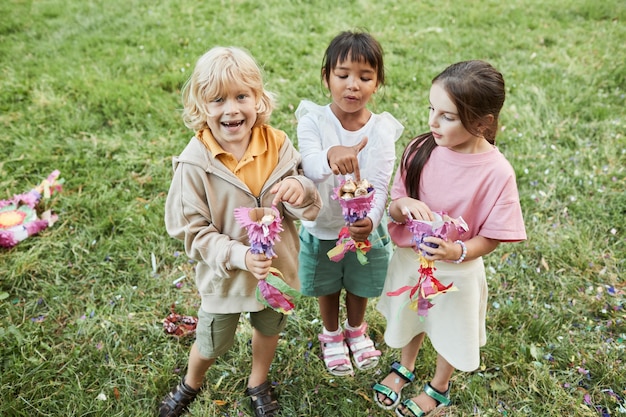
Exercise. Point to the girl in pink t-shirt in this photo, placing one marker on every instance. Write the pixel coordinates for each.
(455, 168)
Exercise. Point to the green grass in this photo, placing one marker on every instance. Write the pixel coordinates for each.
(93, 89)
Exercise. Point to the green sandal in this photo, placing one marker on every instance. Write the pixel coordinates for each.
(442, 399)
(390, 394)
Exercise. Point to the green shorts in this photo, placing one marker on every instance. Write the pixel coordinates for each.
(320, 276)
(215, 333)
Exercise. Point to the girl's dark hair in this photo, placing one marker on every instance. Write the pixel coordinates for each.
(358, 46)
(477, 90)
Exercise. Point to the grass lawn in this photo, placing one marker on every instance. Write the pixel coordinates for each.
(92, 88)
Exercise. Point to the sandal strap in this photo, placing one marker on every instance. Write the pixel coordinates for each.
(403, 372)
(265, 404)
(364, 350)
(410, 405)
(358, 332)
(360, 345)
(333, 350)
(262, 389)
(326, 338)
(442, 398)
(386, 391)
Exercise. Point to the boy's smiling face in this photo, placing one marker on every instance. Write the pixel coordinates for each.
(231, 119)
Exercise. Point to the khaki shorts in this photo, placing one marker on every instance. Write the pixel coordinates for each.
(215, 333)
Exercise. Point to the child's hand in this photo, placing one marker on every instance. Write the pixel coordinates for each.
(445, 250)
(343, 159)
(289, 191)
(414, 209)
(258, 264)
(361, 229)
(451, 251)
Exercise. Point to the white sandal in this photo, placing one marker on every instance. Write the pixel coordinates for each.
(336, 354)
(365, 355)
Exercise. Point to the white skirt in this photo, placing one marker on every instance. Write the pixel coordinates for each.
(455, 324)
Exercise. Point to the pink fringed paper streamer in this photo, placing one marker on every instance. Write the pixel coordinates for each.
(275, 293)
(263, 226)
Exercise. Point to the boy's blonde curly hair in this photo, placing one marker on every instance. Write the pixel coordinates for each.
(217, 71)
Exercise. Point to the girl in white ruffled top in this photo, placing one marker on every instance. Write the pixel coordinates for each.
(335, 140)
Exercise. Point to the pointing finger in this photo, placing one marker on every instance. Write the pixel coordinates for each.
(357, 172)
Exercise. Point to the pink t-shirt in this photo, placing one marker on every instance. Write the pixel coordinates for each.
(479, 187)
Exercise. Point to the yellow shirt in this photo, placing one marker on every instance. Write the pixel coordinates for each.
(259, 160)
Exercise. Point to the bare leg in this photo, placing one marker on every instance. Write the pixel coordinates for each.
(198, 365)
(410, 351)
(177, 400)
(329, 310)
(355, 307)
(263, 350)
(408, 357)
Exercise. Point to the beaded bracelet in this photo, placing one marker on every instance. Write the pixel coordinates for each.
(463, 252)
(391, 217)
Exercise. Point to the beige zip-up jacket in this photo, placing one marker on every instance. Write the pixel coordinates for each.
(199, 210)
